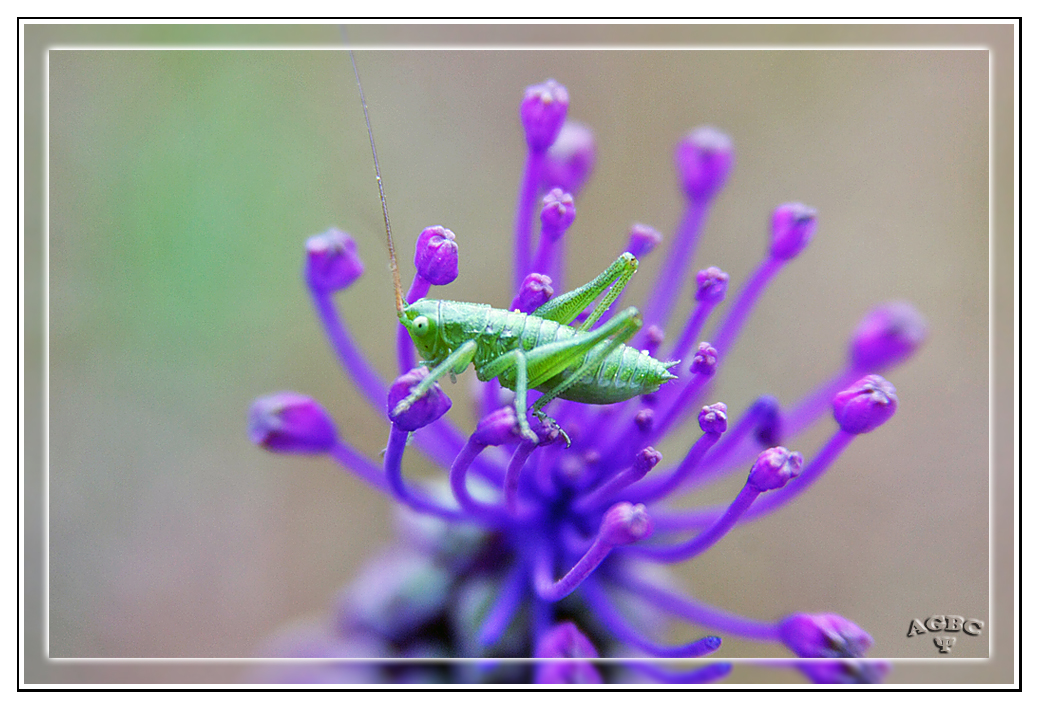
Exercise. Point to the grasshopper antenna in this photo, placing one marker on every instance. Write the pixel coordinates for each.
(379, 181)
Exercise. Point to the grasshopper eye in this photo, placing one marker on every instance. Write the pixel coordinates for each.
(422, 324)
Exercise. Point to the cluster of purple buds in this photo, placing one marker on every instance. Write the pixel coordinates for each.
(545, 549)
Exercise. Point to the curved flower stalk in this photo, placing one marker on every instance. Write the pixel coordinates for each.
(551, 548)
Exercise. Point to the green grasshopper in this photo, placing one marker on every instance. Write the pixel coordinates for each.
(538, 351)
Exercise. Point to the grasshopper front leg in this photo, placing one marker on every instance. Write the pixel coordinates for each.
(513, 359)
(457, 361)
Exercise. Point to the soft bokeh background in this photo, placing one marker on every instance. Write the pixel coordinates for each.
(183, 184)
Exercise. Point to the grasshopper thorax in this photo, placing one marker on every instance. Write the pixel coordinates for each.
(422, 321)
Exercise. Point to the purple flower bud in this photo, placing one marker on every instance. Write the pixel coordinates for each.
(437, 255)
(535, 292)
(652, 339)
(824, 636)
(703, 159)
(624, 524)
(426, 410)
(642, 240)
(705, 360)
(646, 460)
(889, 334)
(768, 425)
(866, 405)
(567, 673)
(557, 213)
(712, 418)
(565, 641)
(549, 431)
(644, 420)
(571, 158)
(711, 285)
(499, 427)
(332, 261)
(774, 468)
(542, 113)
(846, 670)
(291, 423)
(793, 227)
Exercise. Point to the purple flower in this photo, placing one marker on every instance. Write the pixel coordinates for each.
(571, 159)
(793, 227)
(704, 158)
(542, 113)
(824, 636)
(332, 261)
(291, 423)
(437, 256)
(537, 539)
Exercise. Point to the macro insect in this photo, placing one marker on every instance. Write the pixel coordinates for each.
(537, 351)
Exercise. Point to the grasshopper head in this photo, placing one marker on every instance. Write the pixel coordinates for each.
(420, 319)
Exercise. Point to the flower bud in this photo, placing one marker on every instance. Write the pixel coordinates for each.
(846, 670)
(571, 158)
(711, 285)
(437, 255)
(565, 641)
(768, 427)
(624, 524)
(557, 213)
(426, 410)
(774, 468)
(642, 240)
(653, 338)
(712, 418)
(332, 261)
(548, 431)
(824, 636)
(567, 673)
(703, 159)
(291, 423)
(499, 427)
(535, 292)
(542, 113)
(886, 336)
(793, 227)
(646, 460)
(705, 360)
(866, 405)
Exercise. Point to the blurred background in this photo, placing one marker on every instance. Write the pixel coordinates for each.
(183, 183)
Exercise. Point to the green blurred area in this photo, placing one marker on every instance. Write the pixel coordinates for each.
(183, 183)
